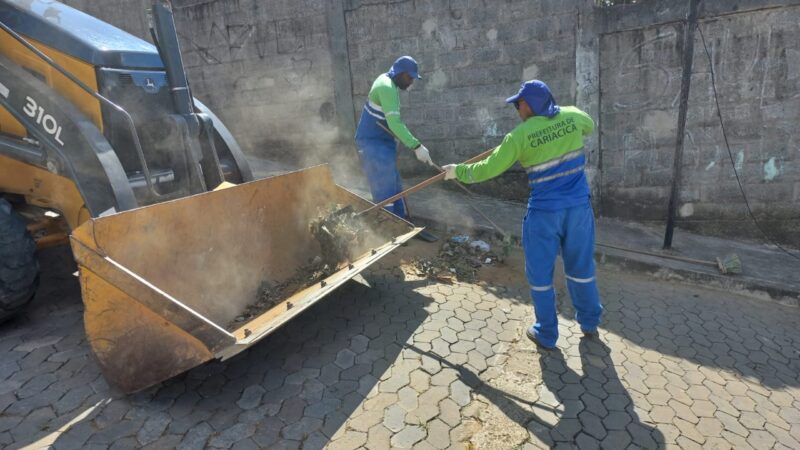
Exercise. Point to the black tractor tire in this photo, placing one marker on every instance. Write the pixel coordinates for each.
(19, 268)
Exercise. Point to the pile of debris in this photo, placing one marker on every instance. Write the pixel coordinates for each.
(270, 294)
(458, 260)
(340, 232)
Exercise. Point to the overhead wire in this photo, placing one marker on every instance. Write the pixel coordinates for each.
(730, 154)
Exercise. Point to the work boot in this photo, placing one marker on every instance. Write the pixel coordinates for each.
(426, 236)
(590, 334)
(532, 337)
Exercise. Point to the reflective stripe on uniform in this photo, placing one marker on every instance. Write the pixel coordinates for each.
(550, 164)
(541, 288)
(580, 280)
(558, 175)
(375, 115)
(374, 106)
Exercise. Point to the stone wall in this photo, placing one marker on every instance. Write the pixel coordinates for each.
(289, 77)
(756, 58)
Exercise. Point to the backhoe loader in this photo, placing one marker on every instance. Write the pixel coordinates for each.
(102, 144)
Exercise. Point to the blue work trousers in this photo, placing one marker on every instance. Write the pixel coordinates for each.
(379, 162)
(570, 231)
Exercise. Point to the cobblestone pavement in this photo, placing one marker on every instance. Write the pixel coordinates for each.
(408, 363)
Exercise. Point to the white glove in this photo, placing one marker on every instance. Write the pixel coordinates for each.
(450, 171)
(423, 155)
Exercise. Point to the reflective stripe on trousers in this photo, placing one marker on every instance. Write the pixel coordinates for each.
(571, 232)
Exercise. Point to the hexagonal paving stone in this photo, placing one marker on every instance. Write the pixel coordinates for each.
(782, 436)
(345, 358)
(683, 411)
(616, 420)
(364, 421)
(688, 430)
(359, 343)
(378, 437)
(616, 439)
(761, 439)
(460, 393)
(593, 425)
(394, 383)
(743, 404)
(731, 424)
(736, 388)
(703, 408)
(752, 420)
(232, 435)
(408, 398)
(684, 443)
(348, 440)
(658, 397)
(662, 414)
(394, 418)
(251, 397)
(790, 414)
(409, 436)
(781, 399)
(566, 430)
(438, 434)
(698, 392)
(585, 442)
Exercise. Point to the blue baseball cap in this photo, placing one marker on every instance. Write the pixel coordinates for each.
(405, 64)
(538, 96)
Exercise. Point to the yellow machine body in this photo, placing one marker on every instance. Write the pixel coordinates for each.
(41, 187)
(15, 51)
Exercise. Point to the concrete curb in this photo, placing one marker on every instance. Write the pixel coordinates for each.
(666, 269)
(696, 274)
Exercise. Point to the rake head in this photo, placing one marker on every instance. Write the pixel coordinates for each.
(730, 264)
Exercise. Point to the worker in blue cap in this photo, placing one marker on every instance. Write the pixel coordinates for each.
(377, 148)
(549, 145)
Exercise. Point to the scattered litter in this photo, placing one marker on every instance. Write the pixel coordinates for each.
(458, 260)
(480, 245)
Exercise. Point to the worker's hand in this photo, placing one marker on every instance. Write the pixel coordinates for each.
(450, 171)
(423, 155)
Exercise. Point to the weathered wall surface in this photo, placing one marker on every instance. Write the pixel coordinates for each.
(290, 77)
(756, 58)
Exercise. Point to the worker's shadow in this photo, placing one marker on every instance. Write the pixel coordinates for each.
(594, 404)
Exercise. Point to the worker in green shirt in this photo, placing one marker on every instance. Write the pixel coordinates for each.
(377, 148)
(549, 145)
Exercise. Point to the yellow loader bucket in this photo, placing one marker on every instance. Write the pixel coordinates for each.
(163, 284)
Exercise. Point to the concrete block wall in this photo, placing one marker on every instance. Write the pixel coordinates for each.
(265, 67)
(757, 63)
(640, 84)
